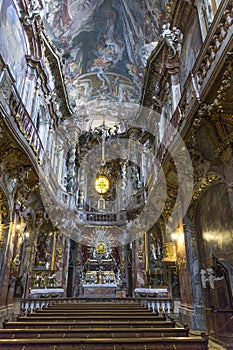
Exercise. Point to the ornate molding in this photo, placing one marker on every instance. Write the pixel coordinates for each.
(215, 44)
(169, 6)
(225, 150)
(23, 194)
(4, 213)
(216, 105)
(216, 111)
(204, 183)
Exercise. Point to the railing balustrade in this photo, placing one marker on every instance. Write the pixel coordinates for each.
(156, 305)
(29, 130)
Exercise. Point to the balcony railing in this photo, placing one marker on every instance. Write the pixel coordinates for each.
(29, 130)
(13, 106)
(105, 218)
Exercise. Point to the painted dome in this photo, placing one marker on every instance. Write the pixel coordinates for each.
(104, 43)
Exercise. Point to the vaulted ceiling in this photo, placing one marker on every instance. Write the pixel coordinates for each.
(104, 36)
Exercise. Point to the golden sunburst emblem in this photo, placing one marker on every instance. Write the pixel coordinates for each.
(102, 184)
(101, 248)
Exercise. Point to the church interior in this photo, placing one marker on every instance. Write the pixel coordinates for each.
(116, 174)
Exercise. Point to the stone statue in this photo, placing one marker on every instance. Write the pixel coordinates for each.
(173, 39)
(211, 278)
(51, 280)
(153, 251)
(204, 279)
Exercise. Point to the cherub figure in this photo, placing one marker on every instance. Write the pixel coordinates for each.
(173, 39)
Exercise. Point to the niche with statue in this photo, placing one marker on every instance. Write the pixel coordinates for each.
(156, 273)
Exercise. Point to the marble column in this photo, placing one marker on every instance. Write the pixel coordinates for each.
(71, 168)
(192, 314)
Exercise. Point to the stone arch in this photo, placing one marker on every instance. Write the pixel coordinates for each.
(216, 229)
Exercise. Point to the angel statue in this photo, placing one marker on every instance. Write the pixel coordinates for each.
(173, 39)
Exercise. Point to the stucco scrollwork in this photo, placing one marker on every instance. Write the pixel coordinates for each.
(204, 183)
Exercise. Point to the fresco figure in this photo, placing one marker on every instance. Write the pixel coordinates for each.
(12, 40)
(104, 36)
(99, 66)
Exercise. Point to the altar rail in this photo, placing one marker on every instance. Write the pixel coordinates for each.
(157, 305)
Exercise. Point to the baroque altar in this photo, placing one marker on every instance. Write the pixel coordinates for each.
(101, 275)
(99, 290)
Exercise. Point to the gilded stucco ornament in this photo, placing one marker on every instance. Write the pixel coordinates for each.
(23, 193)
(218, 112)
(204, 183)
(3, 206)
(225, 150)
(4, 223)
(101, 248)
(215, 45)
(140, 251)
(169, 5)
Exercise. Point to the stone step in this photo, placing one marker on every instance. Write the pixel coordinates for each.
(168, 343)
(87, 325)
(93, 333)
(90, 318)
(94, 314)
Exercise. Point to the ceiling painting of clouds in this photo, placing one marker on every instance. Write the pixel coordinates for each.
(104, 36)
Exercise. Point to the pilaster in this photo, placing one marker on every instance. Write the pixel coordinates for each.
(192, 314)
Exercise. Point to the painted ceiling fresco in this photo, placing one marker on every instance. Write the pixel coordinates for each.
(104, 36)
